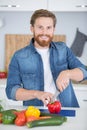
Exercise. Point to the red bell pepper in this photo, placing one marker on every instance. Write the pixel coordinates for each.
(54, 107)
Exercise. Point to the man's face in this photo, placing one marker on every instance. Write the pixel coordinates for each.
(43, 31)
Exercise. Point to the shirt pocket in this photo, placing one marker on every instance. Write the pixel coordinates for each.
(63, 65)
(28, 80)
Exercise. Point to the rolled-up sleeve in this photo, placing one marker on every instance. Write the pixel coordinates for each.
(13, 92)
(84, 72)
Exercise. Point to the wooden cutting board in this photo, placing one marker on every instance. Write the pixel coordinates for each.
(15, 42)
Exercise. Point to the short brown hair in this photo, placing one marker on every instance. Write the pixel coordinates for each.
(42, 13)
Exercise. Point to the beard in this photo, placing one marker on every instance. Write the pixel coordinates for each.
(41, 42)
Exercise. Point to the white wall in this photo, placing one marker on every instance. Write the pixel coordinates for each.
(18, 23)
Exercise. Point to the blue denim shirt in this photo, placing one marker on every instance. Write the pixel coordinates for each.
(26, 71)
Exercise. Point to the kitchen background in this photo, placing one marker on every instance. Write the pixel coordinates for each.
(71, 14)
(18, 22)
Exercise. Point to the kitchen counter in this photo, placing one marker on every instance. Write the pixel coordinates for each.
(73, 123)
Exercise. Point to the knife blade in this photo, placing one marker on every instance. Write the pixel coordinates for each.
(57, 92)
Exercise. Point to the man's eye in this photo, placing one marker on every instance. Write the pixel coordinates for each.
(40, 27)
(49, 27)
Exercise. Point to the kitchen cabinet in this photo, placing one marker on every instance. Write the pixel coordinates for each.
(22, 5)
(67, 5)
(53, 5)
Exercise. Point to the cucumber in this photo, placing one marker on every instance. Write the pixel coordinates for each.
(49, 114)
(54, 121)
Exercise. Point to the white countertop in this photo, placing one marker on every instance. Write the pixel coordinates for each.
(79, 122)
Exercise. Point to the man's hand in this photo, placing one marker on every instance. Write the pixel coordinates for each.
(63, 80)
(44, 96)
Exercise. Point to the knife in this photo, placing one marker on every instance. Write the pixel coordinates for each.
(57, 92)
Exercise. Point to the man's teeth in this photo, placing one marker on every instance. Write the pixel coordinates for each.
(44, 37)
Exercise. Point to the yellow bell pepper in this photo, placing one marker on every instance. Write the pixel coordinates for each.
(32, 111)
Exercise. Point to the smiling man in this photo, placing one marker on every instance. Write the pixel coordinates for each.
(42, 67)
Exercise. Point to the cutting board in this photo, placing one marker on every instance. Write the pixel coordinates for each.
(14, 42)
(63, 112)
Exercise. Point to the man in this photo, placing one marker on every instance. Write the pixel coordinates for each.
(44, 66)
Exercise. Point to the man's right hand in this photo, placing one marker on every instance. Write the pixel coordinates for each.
(44, 96)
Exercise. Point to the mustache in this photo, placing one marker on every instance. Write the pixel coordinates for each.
(44, 35)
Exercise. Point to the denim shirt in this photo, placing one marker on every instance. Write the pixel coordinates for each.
(26, 71)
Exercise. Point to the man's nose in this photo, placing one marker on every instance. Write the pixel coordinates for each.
(44, 31)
